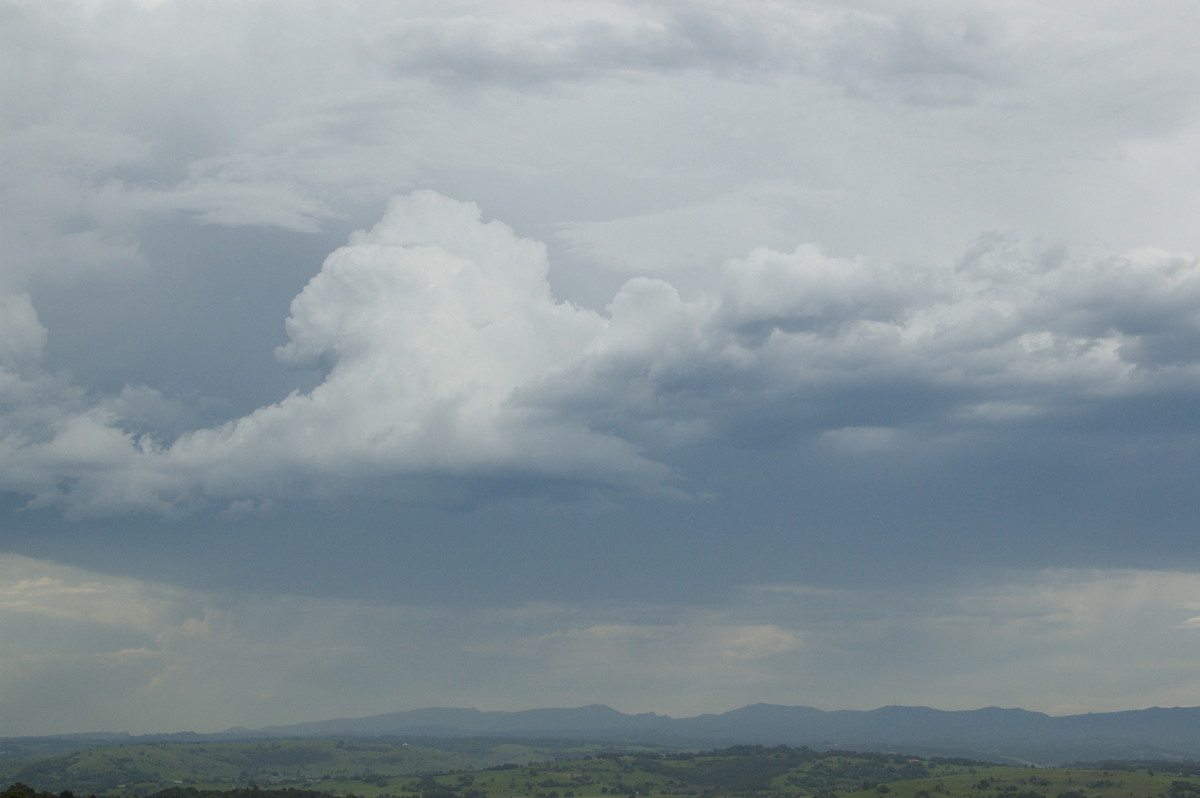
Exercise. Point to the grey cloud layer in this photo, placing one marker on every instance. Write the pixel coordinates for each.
(447, 354)
(129, 118)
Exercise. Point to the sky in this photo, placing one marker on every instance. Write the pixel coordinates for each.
(368, 356)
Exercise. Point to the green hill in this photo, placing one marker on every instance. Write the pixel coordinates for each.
(332, 765)
(478, 768)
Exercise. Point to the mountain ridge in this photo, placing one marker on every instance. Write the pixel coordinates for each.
(996, 732)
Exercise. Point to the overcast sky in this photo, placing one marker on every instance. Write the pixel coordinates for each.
(367, 356)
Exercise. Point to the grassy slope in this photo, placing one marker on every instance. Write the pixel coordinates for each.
(1011, 782)
(148, 767)
(846, 777)
(383, 770)
(357, 767)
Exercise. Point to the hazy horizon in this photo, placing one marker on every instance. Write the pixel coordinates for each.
(627, 713)
(669, 356)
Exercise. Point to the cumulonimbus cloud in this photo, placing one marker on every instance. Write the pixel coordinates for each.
(448, 356)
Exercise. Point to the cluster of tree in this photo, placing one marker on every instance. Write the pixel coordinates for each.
(19, 790)
(241, 792)
(741, 770)
(752, 768)
(1151, 766)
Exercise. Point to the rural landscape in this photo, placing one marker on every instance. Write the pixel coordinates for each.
(450, 761)
(380, 769)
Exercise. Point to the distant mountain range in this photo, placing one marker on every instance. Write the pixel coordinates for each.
(1013, 735)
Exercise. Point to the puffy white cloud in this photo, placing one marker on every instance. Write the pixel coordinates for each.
(1012, 331)
(448, 355)
(428, 324)
(761, 125)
